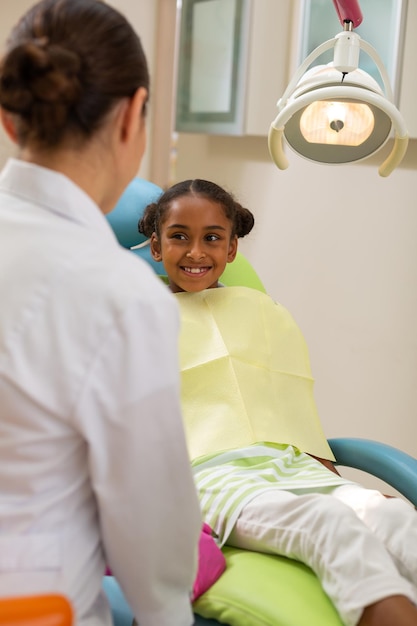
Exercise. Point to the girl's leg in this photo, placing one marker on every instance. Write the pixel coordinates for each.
(392, 520)
(353, 566)
(396, 610)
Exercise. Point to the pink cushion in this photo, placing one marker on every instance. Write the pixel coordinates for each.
(211, 563)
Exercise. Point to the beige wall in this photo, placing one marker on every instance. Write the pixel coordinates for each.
(142, 15)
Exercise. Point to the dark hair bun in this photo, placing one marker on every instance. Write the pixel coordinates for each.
(244, 221)
(35, 76)
(67, 64)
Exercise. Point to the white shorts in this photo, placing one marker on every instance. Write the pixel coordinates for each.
(361, 545)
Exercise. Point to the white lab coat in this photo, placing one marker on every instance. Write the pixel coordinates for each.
(93, 460)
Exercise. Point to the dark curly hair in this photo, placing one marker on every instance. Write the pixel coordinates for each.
(154, 214)
(66, 65)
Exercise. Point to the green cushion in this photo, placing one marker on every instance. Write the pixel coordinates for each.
(241, 273)
(265, 590)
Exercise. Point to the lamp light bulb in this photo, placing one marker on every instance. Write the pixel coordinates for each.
(336, 115)
(337, 122)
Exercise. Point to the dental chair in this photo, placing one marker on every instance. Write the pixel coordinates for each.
(258, 589)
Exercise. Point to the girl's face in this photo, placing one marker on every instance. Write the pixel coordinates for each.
(195, 243)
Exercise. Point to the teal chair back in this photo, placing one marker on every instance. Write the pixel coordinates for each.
(125, 217)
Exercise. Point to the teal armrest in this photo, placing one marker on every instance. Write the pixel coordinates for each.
(121, 611)
(391, 465)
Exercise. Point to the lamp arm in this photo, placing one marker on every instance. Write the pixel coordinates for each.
(317, 52)
(370, 50)
(326, 45)
(348, 11)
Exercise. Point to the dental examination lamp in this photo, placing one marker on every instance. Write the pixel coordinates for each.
(337, 113)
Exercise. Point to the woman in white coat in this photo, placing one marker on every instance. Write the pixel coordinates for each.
(93, 462)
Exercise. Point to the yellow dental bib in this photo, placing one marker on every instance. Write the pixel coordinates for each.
(245, 374)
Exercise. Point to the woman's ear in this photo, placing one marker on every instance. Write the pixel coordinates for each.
(8, 125)
(231, 255)
(155, 248)
(133, 114)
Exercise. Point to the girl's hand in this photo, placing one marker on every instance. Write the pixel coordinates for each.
(327, 464)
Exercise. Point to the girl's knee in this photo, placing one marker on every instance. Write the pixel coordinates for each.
(328, 508)
(391, 514)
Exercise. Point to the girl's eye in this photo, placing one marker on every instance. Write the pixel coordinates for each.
(212, 237)
(180, 236)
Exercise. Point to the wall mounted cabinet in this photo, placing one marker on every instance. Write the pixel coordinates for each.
(233, 59)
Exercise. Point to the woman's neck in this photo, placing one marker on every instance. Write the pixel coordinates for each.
(88, 167)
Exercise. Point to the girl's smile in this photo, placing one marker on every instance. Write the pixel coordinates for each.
(196, 270)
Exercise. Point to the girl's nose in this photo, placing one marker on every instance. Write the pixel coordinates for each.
(196, 253)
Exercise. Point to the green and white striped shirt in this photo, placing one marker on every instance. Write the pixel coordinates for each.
(226, 481)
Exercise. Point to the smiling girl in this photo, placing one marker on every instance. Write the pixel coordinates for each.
(262, 466)
(194, 228)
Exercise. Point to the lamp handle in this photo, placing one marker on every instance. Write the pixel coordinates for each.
(395, 156)
(276, 150)
(276, 147)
